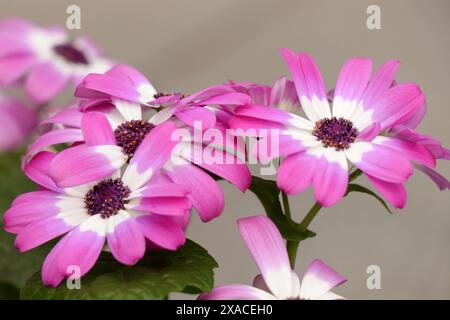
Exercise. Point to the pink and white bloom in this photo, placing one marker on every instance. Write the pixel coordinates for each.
(277, 280)
(89, 193)
(129, 117)
(18, 122)
(45, 58)
(319, 148)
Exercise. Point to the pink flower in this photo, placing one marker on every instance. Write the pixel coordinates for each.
(90, 193)
(17, 123)
(317, 148)
(45, 57)
(125, 111)
(277, 280)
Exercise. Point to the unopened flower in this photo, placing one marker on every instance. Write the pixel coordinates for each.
(277, 280)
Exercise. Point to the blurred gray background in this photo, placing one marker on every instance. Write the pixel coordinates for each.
(187, 45)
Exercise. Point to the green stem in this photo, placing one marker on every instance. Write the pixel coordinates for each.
(287, 210)
(292, 248)
(310, 216)
(355, 174)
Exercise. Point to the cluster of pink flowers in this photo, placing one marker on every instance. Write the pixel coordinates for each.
(124, 181)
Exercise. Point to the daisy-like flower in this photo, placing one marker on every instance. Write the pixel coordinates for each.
(131, 120)
(45, 58)
(317, 148)
(277, 280)
(123, 209)
(18, 122)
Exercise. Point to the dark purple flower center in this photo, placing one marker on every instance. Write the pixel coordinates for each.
(130, 134)
(334, 132)
(107, 197)
(71, 54)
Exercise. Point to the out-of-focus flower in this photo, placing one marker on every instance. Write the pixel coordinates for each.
(17, 122)
(318, 148)
(89, 192)
(45, 58)
(277, 280)
(115, 94)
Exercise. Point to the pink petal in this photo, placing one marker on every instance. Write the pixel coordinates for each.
(162, 231)
(330, 178)
(53, 138)
(395, 193)
(128, 73)
(125, 238)
(38, 170)
(296, 172)
(319, 279)
(44, 229)
(412, 151)
(380, 162)
(276, 146)
(30, 207)
(253, 127)
(232, 98)
(267, 248)
(154, 151)
(13, 68)
(223, 164)
(51, 276)
(260, 95)
(206, 195)
(201, 97)
(414, 119)
(170, 206)
(45, 82)
(82, 164)
(97, 130)
(264, 113)
(18, 122)
(309, 84)
(284, 95)
(380, 82)
(370, 132)
(70, 117)
(197, 115)
(398, 103)
(350, 86)
(236, 292)
(81, 247)
(101, 84)
(162, 189)
(437, 178)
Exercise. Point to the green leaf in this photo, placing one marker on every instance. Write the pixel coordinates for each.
(15, 268)
(353, 187)
(189, 270)
(269, 196)
(13, 181)
(8, 291)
